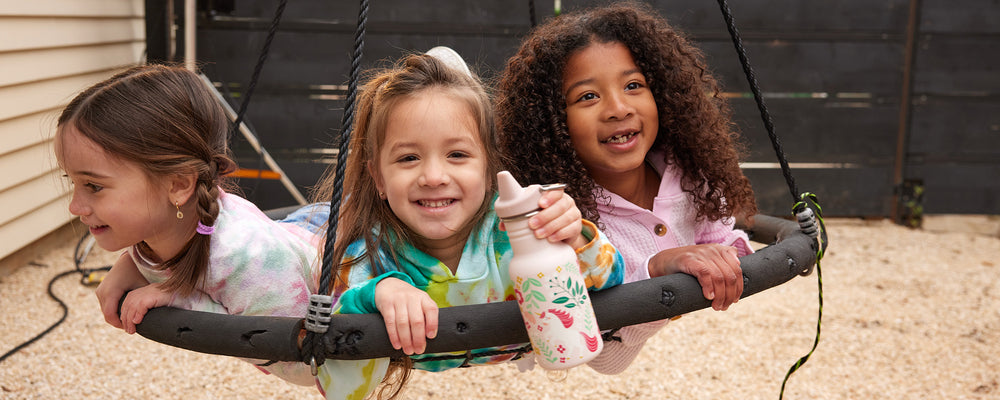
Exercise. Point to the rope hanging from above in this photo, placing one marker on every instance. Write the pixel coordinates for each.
(265, 50)
(810, 221)
(320, 305)
(802, 204)
(755, 89)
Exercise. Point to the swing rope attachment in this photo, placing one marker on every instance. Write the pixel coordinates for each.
(810, 221)
(815, 224)
(317, 321)
(320, 305)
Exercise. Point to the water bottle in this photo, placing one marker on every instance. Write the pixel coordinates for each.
(551, 293)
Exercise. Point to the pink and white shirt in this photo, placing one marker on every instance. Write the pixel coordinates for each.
(639, 234)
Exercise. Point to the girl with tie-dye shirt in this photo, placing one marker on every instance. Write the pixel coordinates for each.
(147, 153)
(417, 230)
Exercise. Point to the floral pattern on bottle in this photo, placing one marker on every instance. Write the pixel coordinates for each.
(558, 301)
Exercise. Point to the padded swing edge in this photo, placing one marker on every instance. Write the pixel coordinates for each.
(363, 336)
(496, 324)
(258, 337)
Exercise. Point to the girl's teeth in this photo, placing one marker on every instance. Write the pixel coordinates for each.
(435, 204)
(620, 138)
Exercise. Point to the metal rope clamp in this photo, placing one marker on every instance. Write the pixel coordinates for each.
(809, 226)
(318, 319)
(807, 221)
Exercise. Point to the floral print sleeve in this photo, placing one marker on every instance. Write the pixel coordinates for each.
(600, 263)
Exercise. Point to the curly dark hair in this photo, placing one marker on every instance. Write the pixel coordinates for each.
(695, 130)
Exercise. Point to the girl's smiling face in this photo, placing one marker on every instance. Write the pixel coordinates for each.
(114, 198)
(610, 112)
(432, 168)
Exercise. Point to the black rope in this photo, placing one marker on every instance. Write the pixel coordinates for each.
(260, 65)
(312, 351)
(254, 77)
(345, 134)
(801, 201)
(531, 11)
(764, 114)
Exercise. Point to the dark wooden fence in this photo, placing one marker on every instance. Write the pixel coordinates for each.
(885, 108)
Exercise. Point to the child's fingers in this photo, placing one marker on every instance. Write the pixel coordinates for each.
(707, 286)
(402, 323)
(721, 280)
(109, 300)
(553, 204)
(399, 331)
(733, 255)
(726, 277)
(431, 318)
(567, 232)
(562, 219)
(126, 314)
(110, 311)
(732, 275)
(417, 328)
(126, 321)
(702, 266)
(550, 197)
(389, 318)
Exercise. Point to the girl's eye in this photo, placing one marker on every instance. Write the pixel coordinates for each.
(633, 86)
(587, 96)
(407, 158)
(94, 188)
(458, 154)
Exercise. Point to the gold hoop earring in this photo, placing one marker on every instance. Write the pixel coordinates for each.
(180, 215)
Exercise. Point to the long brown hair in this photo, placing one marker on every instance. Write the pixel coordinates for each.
(361, 207)
(163, 119)
(695, 132)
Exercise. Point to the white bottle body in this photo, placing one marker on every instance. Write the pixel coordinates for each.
(553, 299)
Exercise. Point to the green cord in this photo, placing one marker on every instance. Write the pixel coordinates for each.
(811, 198)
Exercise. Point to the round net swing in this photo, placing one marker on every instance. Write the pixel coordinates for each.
(794, 247)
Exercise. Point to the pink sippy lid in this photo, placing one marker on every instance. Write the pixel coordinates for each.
(514, 200)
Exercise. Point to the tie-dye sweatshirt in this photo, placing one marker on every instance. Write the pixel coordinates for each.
(256, 267)
(481, 277)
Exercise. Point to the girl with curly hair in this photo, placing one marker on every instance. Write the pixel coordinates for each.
(620, 106)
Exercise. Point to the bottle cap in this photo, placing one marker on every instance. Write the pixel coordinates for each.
(514, 200)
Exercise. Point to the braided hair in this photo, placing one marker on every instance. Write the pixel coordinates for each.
(163, 119)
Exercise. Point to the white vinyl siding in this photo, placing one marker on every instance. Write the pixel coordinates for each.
(52, 49)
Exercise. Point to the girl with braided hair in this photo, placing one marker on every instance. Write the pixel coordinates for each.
(620, 106)
(146, 153)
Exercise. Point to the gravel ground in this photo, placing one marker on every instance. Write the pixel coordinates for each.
(908, 314)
